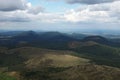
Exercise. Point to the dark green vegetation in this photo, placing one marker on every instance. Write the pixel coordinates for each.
(6, 77)
(44, 64)
(57, 56)
(100, 54)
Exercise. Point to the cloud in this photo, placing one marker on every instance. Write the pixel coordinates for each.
(35, 10)
(86, 16)
(51, 17)
(107, 12)
(18, 11)
(11, 5)
(15, 16)
(25, 16)
(89, 1)
(14, 19)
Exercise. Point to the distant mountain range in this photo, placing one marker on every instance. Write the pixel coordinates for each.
(50, 39)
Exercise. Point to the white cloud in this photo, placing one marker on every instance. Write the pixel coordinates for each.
(107, 12)
(15, 16)
(51, 17)
(25, 16)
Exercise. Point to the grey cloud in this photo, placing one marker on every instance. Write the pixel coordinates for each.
(10, 5)
(89, 1)
(36, 10)
(14, 19)
(99, 7)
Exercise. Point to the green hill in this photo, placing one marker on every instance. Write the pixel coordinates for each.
(81, 72)
(30, 63)
(98, 53)
(37, 57)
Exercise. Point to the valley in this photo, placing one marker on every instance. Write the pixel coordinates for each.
(56, 56)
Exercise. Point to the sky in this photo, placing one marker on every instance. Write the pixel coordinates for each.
(60, 15)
